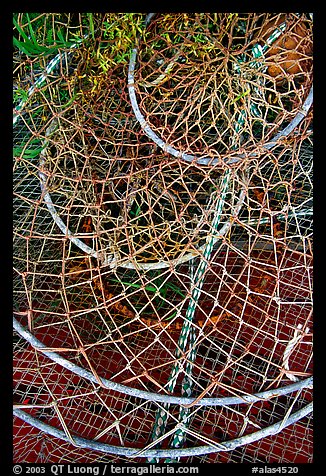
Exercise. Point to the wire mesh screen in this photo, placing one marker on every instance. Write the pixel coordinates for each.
(163, 238)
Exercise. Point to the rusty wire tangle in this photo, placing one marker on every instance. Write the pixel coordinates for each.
(163, 237)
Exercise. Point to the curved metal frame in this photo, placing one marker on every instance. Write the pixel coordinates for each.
(168, 452)
(225, 401)
(203, 160)
(156, 397)
(110, 259)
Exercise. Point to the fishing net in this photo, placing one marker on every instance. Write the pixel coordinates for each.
(163, 238)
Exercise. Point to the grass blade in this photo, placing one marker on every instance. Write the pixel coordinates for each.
(31, 31)
(91, 25)
(28, 153)
(20, 30)
(25, 47)
(135, 285)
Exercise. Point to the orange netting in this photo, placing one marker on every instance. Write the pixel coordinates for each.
(163, 238)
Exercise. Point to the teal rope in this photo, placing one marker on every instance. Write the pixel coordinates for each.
(187, 384)
(179, 436)
(187, 329)
(162, 415)
(257, 52)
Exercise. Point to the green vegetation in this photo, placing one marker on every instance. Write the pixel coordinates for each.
(105, 41)
(159, 286)
(30, 38)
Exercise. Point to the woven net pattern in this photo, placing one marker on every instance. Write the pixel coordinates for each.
(163, 239)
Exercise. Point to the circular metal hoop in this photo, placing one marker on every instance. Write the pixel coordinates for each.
(226, 345)
(111, 260)
(171, 453)
(211, 161)
(156, 397)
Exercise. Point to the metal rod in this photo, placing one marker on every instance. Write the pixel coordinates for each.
(168, 452)
(204, 160)
(156, 397)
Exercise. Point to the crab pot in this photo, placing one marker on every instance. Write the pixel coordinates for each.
(163, 245)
